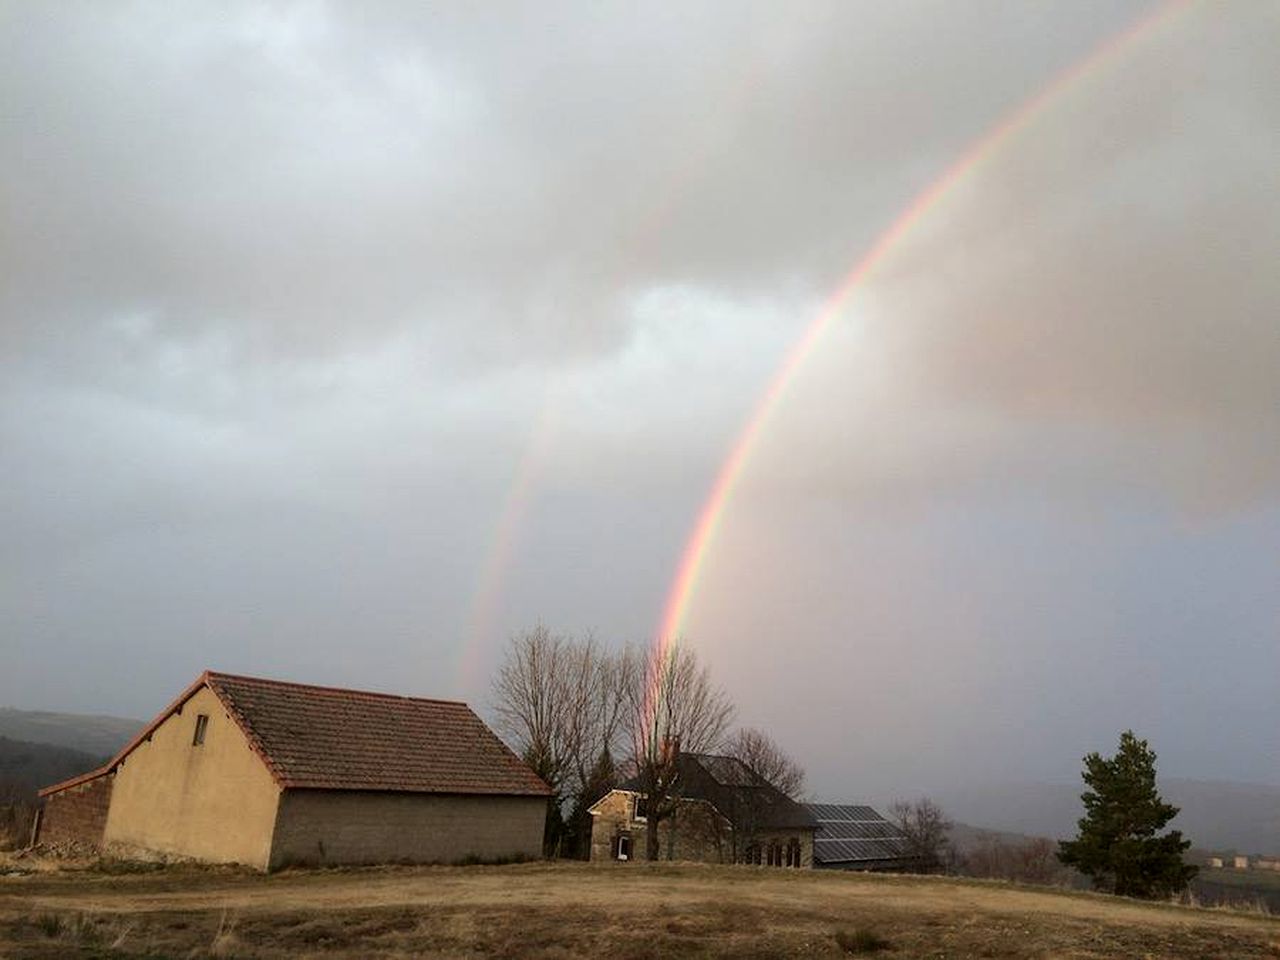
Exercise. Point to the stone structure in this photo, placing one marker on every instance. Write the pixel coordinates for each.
(724, 813)
(266, 773)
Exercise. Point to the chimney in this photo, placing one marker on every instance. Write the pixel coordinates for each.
(670, 749)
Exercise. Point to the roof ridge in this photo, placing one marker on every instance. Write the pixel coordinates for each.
(452, 751)
(322, 688)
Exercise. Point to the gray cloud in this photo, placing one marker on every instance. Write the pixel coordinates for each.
(289, 290)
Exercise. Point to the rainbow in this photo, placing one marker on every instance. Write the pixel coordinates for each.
(711, 516)
(504, 541)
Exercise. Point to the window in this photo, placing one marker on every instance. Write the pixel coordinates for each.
(202, 724)
(793, 852)
(752, 854)
(642, 808)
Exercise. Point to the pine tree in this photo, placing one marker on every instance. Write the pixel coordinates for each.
(1118, 845)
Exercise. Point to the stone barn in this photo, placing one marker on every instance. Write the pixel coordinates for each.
(724, 813)
(267, 773)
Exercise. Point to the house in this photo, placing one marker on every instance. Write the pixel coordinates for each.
(1241, 863)
(724, 813)
(855, 837)
(266, 773)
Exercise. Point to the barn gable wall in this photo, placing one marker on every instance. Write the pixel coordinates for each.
(215, 801)
(355, 826)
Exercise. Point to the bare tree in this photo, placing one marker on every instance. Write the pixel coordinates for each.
(560, 702)
(595, 688)
(1024, 860)
(672, 704)
(529, 703)
(762, 755)
(926, 829)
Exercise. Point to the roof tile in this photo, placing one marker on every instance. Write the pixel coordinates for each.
(328, 738)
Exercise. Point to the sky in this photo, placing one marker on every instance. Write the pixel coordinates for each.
(340, 342)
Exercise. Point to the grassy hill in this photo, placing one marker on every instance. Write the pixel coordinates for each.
(567, 911)
(94, 735)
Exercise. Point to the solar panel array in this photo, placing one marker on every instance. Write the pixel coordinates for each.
(849, 833)
(843, 811)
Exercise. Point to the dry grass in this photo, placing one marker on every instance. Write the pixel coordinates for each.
(564, 911)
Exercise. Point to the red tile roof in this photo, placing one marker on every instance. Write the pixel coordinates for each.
(328, 738)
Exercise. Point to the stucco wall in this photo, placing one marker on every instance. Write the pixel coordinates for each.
(215, 801)
(76, 814)
(353, 826)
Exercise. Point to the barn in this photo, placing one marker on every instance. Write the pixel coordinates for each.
(268, 773)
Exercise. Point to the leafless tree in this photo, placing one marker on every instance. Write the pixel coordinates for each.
(561, 703)
(672, 705)
(762, 755)
(1005, 857)
(926, 828)
(529, 702)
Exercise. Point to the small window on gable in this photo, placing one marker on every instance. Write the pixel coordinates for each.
(642, 808)
(202, 724)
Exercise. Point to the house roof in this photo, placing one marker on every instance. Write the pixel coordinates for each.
(737, 792)
(312, 737)
(851, 833)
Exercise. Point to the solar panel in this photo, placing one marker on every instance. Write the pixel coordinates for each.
(849, 833)
(848, 830)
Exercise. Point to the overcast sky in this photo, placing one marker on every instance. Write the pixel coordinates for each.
(341, 341)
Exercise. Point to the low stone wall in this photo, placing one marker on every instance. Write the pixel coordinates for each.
(77, 814)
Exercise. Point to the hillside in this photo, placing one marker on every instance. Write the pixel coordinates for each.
(25, 767)
(97, 736)
(567, 911)
(1215, 814)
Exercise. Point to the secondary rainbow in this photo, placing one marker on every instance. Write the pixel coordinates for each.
(697, 547)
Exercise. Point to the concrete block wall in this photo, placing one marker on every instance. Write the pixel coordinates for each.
(356, 826)
(77, 814)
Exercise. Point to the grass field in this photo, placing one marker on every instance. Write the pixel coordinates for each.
(567, 911)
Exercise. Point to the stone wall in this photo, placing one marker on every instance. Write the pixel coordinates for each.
(695, 832)
(77, 814)
(781, 838)
(354, 826)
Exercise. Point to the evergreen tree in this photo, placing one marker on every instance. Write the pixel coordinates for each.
(1118, 846)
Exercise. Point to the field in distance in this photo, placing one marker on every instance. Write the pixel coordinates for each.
(567, 911)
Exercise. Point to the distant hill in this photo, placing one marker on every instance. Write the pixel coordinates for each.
(93, 735)
(1216, 814)
(25, 767)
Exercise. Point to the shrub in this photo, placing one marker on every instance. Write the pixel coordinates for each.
(860, 940)
(50, 924)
